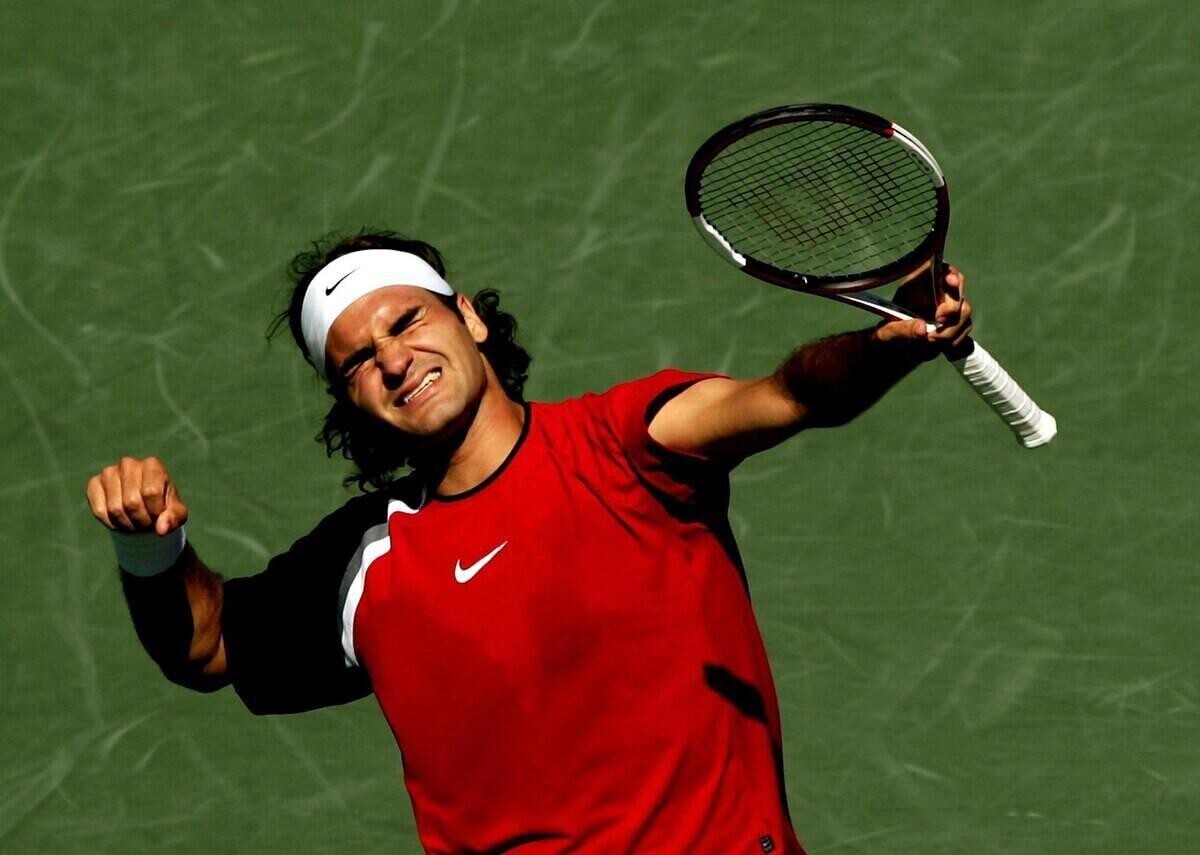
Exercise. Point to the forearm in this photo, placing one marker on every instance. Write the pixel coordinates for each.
(177, 616)
(834, 379)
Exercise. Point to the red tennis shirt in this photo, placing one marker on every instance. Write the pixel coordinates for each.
(566, 654)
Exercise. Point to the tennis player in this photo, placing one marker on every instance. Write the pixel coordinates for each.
(549, 607)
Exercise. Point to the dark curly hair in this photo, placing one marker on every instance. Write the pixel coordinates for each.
(376, 449)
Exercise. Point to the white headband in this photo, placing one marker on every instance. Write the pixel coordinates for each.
(348, 277)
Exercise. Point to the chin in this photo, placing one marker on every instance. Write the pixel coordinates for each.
(436, 419)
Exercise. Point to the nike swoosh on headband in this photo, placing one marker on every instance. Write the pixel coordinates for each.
(329, 290)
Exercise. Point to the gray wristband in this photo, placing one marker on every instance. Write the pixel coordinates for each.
(145, 553)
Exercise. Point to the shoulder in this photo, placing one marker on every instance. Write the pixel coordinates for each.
(631, 404)
(341, 531)
(663, 383)
(356, 514)
(624, 412)
(665, 378)
(643, 397)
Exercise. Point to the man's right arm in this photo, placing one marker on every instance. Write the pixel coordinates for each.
(177, 610)
(276, 636)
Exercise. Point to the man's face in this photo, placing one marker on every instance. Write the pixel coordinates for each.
(406, 358)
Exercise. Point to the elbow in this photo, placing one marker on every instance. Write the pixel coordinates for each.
(206, 685)
(819, 405)
(202, 667)
(196, 682)
(176, 616)
(197, 676)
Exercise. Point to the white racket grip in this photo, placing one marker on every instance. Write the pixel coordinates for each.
(1032, 425)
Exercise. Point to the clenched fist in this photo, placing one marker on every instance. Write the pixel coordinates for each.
(136, 495)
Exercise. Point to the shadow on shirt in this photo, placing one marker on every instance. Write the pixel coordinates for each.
(744, 696)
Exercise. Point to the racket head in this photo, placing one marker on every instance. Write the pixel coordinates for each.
(822, 198)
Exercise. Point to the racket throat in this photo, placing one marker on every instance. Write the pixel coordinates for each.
(926, 276)
(890, 311)
(864, 300)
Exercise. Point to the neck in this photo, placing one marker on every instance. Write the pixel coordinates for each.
(488, 440)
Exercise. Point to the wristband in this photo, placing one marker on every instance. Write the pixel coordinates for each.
(145, 553)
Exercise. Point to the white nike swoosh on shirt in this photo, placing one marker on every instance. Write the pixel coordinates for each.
(462, 575)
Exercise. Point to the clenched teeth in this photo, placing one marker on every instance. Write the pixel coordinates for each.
(425, 384)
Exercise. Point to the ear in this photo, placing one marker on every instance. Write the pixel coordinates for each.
(475, 324)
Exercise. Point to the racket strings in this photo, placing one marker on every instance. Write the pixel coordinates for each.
(777, 159)
(733, 166)
(768, 141)
(821, 219)
(892, 231)
(820, 197)
(839, 204)
(762, 150)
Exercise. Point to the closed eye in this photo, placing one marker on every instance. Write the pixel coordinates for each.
(405, 320)
(354, 360)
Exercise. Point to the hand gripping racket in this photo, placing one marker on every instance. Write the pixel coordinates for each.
(834, 201)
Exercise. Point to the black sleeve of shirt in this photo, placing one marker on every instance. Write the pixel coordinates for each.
(282, 628)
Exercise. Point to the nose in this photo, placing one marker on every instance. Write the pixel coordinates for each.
(394, 360)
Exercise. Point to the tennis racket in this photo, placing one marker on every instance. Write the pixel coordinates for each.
(835, 201)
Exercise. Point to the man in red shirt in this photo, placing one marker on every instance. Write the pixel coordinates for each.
(549, 607)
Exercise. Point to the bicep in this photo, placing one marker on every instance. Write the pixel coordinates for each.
(728, 419)
(206, 595)
(177, 616)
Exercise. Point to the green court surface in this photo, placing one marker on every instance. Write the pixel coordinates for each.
(977, 648)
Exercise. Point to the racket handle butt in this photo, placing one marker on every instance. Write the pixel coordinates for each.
(1032, 425)
(1040, 432)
